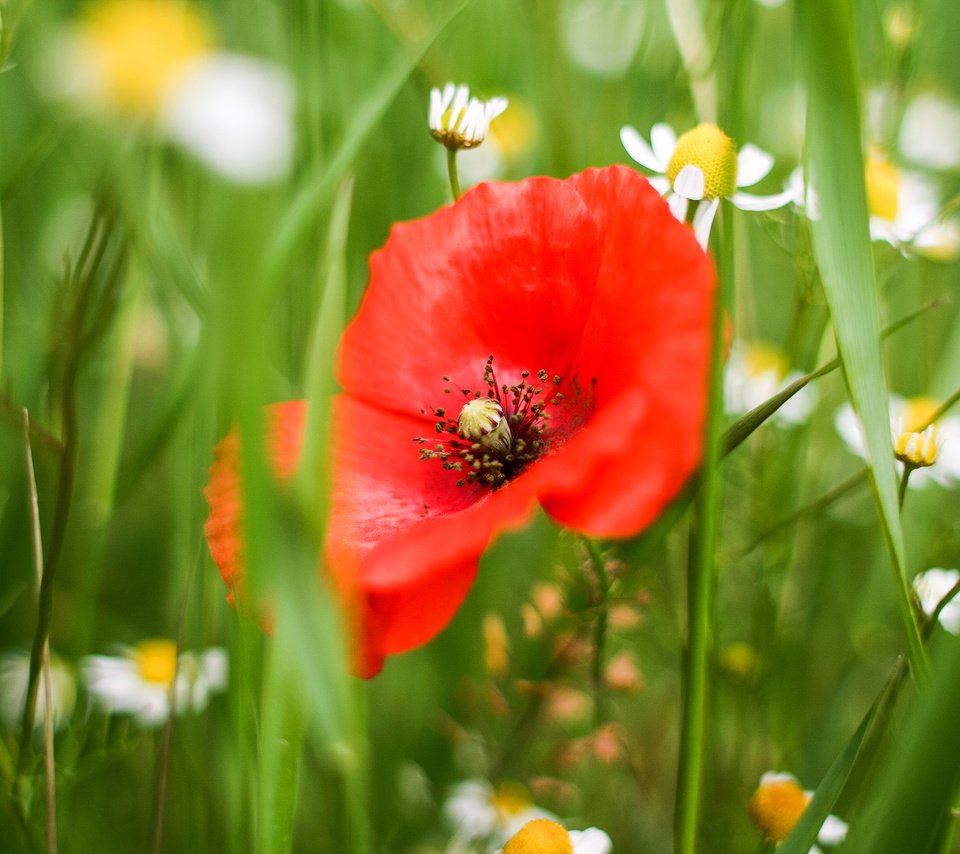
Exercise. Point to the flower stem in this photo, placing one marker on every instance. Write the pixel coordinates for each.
(599, 628)
(702, 579)
(452, 172)
(902, 489)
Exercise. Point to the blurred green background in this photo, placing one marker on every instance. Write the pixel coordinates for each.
(200, 328)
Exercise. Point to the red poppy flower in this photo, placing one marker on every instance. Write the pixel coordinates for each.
(545, 341)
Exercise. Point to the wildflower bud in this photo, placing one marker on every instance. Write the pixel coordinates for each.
(496, 645)
(459, 121)
(481, 420)
(710, 150)
(917, 449)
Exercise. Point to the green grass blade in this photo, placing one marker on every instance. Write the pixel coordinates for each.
(324, 177)
(918, 786)
(843, 252)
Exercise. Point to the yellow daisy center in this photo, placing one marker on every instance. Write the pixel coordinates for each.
(139, 48)
(917, 413)
(776, 807)
(540, 836)
(509, 799)
(761, 358)
(883, 187)
(156, 661)
(711, 150)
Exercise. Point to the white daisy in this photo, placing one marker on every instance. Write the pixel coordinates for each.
(906, 416)
(702, 166)
(14, 676)
(157, 61)
(140, 681)
(459, 121)
(547, 835)
(480, 811)
(778, 803)
(234, 113)
(904, 211)
(755, 372)
(931, 586)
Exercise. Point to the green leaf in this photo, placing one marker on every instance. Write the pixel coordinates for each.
(843, 252)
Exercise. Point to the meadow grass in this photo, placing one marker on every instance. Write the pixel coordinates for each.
(764, 622)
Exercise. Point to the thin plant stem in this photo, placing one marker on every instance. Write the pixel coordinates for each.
(702, 580)
(452, 172)
(902, 488)
(599, 628)
(84, 276)
(49, 765)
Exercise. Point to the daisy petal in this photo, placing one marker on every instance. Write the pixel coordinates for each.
(690, 183)
(703, 221)
(664, 142)
(753, 164)
(749, 202)
(660, 184)
(678, 206)
(639, 150)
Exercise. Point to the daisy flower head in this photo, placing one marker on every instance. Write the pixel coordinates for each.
(702, 166)
(778, 803)
(478, 810)
(143, 679)
(934, 453)
(157, 61)
(904, 209)
(755, 372)
(14, 676)
(930, 587)
(557, 341)
(545, 836)
(458, 121)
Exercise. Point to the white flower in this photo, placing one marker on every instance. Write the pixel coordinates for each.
(778, 803)
(478, 810)
(930, 132)
(907, 415)
(702, 166)
(14, 675)
(904, 208)
(754, 373)
(459, 121)
(156, 61)
(931, 586)
(234, 113)
(139, 682)
(548, 835)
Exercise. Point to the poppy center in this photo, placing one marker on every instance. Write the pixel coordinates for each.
(712, 152)
(498, 432)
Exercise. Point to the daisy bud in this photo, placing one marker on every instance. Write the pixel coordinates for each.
(481, 420)
(459, 121)
(917, 449)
